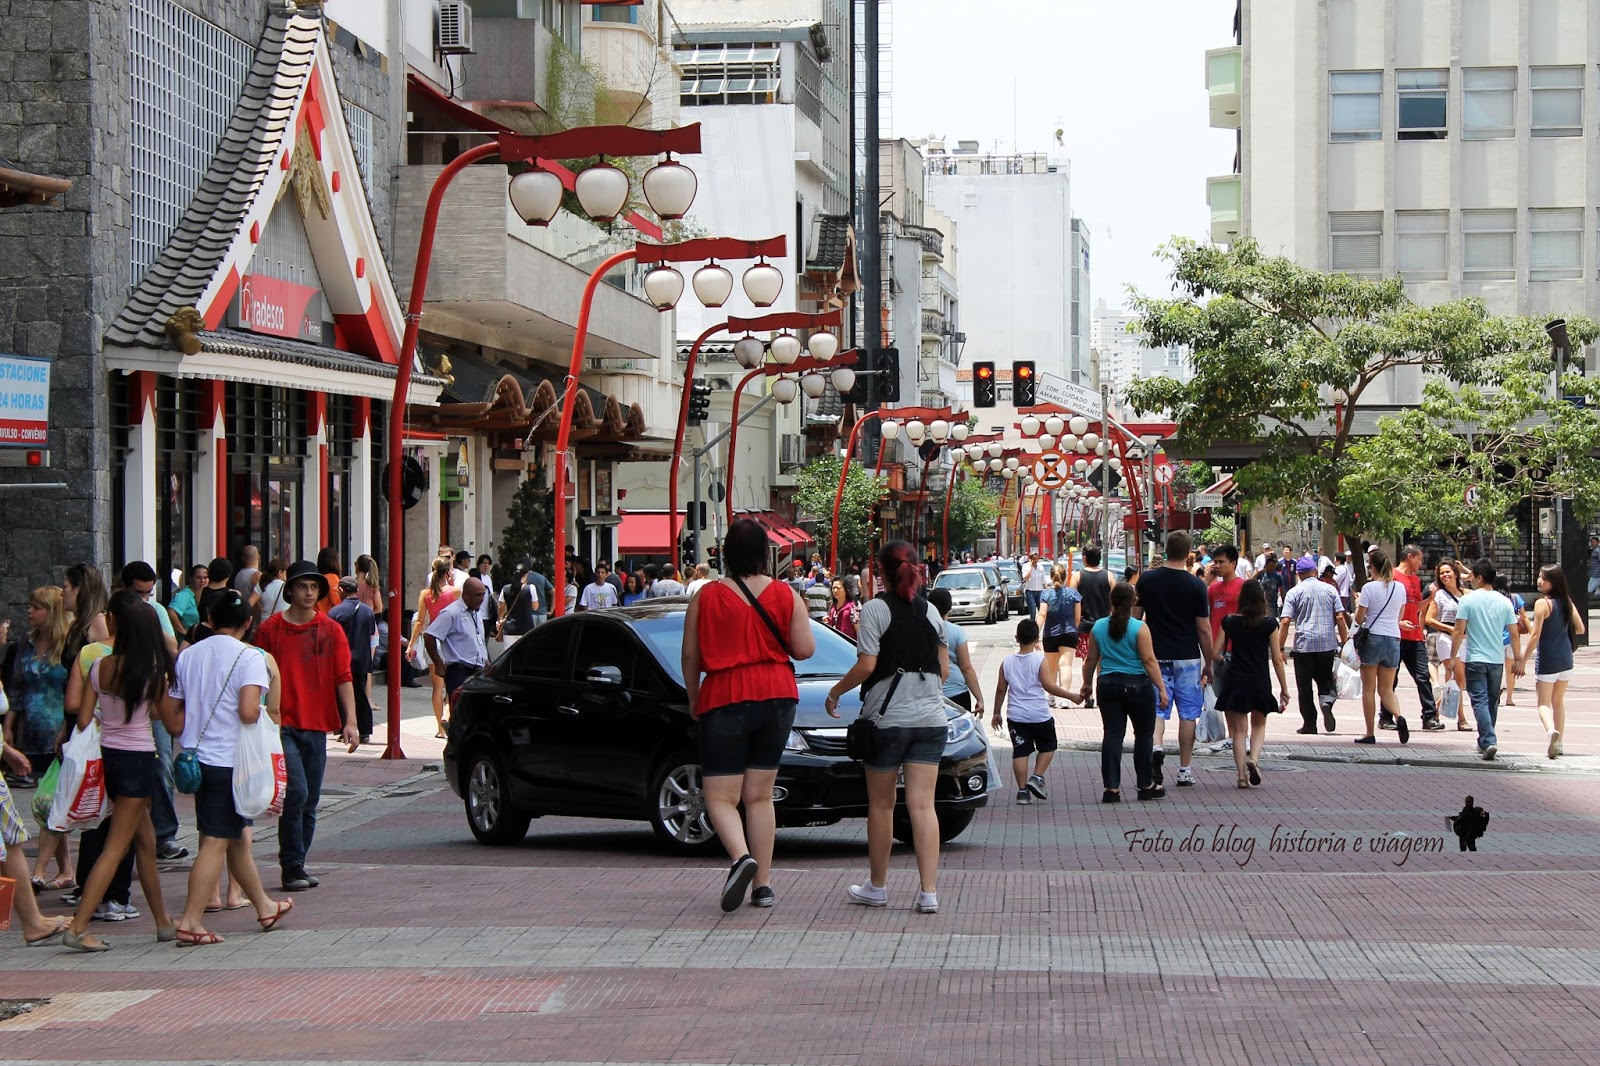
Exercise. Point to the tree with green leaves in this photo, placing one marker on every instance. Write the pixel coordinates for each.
(529, 530)
(973, 507)
(1283, 355)
(815, 487)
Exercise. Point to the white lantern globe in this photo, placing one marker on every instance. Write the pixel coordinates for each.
(713, 285)
(891, 429)
(1090, 439)
(915, 431)
(974, 453)
(1013, 462)
(813, 385)
(749, 352)
(1079, 424)
(939, 430)
(1102, 448)
(822, 346)
(1029, 426)
(1082, 448)
(669, 189)
(1008, 473)
(1069, 441)
(762, 283)
(1081, 465)
(536, 196)
(996, 449)
(996, 465)
(1047, 441)
(844, 379)
(959, 431)
(784, 390)
(1116, 464)
(662, 287)
(785, 349)
(602, 191)
(1054, 425)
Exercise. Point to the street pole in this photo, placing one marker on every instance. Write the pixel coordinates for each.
(677, 442)
(838, 497)
(1105, 425)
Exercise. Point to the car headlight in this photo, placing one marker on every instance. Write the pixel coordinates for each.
(959, 729)
(796, 742)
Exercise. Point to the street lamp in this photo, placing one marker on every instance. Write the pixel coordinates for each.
(939, 430)
(996, 449)
(822, 346)
(669, 188)
(785, 349)
(749, 352)
(915, 431)
(1054, 425)
(713, 285)
(663, 286)
(975, 452)
(603, 191)
(1090, 441)
(813, 384)
(784, 390)
(1029, 426)
(1047, 441)
(959, 431)
(536, 195)
(762, 283)
(844, 379)
(1079, 424)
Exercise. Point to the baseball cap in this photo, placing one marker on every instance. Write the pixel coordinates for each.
(1305, 565)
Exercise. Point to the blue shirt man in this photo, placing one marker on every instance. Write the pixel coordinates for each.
(1483, 619)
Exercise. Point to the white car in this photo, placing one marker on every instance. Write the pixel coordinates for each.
(975, 593)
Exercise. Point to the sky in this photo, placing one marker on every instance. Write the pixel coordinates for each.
(1124, 80)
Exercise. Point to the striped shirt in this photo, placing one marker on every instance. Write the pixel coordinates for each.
(1313, 606)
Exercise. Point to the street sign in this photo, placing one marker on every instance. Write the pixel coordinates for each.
(717, 492)
(1206, 499)
(24, 401)
(1472, 495)
(1051, 470)
(1164, 473)
(1058, 390)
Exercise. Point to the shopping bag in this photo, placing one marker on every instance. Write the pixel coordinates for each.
(260, 778)
(1349, 656)
(45, 794)
(80, 799)
(1346, 682)
(1450, 700)
(8, 896)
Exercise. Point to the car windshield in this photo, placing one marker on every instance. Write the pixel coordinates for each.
(958, 579)
(664, 636)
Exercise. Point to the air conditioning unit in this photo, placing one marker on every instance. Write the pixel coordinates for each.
(791, 450)
(455, 28)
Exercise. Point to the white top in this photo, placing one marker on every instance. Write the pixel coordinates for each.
(1244, 569)
(1385, 601)
(1026, 699)
(1036, 576)
(598, 596)
(460, 635)
(1342, 576)
(210, 675)
(667, 586)
(274, 598)
(696, 585)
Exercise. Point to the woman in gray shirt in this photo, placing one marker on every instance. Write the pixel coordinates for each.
(902, 661)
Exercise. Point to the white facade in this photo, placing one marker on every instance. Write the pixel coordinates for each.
(1451, 142)
(1123, 356)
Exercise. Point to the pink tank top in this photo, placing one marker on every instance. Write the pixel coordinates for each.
(117, 729)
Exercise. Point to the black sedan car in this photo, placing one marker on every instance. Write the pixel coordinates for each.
(587, 715)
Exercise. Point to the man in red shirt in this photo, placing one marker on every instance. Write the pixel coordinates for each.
(1413, 643)
(1224, 591)
(318, 698)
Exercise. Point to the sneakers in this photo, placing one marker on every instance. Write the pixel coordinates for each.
(296, 882)
(1185, 777)
(1036, 786)
(1488, 753)
(1157, 757)
(168, 850)
(1327, 715)
(1308, 730)
(1386, 720)
(115, 912)
(1433, 725)
(740, 874)
(762, 897)
(1225, 744)
(1554, 749)
(1024, 797)
(869, 895)
(927, 903)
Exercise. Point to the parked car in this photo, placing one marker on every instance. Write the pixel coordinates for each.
(975, 593)
(587, 716)
(1011, 574)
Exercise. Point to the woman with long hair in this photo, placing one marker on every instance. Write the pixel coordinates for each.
(185, 603)
(226, 684)
(844, 609)
(39, 681)
(369, 584)
(1378, 614)
(1440, 617)
(332, 569)
(1123, 656)
(1059, 611)
(744, 633)
(84, 597)
(902, 661)
(632, 590)
(132, 687)
(1556, 625)
(1246, 697)
(435, 598)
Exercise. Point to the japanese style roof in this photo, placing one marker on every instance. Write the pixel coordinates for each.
(254, 346)
(831, 243)
(18, 186)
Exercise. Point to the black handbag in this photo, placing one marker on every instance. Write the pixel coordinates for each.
(861, 738)
(1359, 638)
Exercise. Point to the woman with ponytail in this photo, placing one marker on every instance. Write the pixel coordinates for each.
(901, 664)
(1130, 688)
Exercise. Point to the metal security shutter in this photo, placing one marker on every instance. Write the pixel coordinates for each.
(1355, 242)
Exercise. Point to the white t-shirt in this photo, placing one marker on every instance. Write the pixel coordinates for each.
(210, 675)
(667, 586)
(1385, 602)
(696, 585)
(1038, 575)
(274, 598)
(919, 698)
(1026, 699)
(598, 596)
(1244, 569)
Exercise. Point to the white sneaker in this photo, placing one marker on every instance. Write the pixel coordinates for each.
(1226, 744)
(1185, 776)
(927, 903)
(869, 895)
(1555, 744)
(127, 910)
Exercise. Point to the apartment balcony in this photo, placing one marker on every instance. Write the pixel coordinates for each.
(934, 326)
(1225, 195)
(932, 241)
(1225, 84)
(631, 65)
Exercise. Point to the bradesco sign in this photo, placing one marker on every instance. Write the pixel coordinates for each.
(278, 308)
(24, 401)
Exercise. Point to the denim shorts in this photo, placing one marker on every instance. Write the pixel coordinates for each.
(744, 736)
(130, 774)
(1381, 651)
(1182, 678)
(898, 745)
(214, 813)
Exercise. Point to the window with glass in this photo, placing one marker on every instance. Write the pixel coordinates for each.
(1355, 242)
(1557, 101)
(1555, 246)
(728, 74)
(615, 13)
(1420, 104)
(1488, 103)
(1488, 244)
(1355, 105)
(1421, 245)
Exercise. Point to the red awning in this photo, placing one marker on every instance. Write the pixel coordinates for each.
(794, 533)
(785, 536)
(648, 534)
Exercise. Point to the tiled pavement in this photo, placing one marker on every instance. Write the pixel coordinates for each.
(1059, 940)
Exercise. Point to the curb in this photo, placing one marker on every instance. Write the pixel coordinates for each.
(1507, 763)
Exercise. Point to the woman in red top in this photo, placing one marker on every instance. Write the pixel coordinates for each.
(746, 701)
(435, 598)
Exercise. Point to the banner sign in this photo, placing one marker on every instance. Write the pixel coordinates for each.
(24, 401)
(279, 308)
(1075, 398)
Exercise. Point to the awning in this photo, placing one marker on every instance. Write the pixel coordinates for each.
(648, 534)
(783, 536)
(1222, 487)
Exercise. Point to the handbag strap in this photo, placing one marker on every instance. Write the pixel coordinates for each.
(218, 701)
(762, 611)
(894, 683)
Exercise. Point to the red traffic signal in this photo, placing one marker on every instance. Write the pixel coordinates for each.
(983, 391)
(1022, 383)
(985, 370)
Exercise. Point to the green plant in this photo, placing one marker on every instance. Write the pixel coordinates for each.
(973, 508)
(815, 488)
(529, 530)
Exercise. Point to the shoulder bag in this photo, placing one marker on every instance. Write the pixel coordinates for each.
(861, 737)
(1363, 631)
(186, 767)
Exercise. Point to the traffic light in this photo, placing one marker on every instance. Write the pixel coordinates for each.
(889, 375)
(983, 384)
(1022, 383)
(714, 557)
(1151, 533)
(699, 403)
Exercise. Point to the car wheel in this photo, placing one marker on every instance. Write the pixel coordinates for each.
(951, 824)
(489, 814)
(678, 810)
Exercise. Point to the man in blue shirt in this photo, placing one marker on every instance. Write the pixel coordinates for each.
(1482, 619)
(360, 627)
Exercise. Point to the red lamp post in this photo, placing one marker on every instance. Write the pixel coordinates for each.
(901, 415)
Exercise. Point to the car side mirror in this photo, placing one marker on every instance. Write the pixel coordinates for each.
(604, 677)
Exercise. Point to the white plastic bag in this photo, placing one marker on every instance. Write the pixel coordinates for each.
(1349, 656)
(1346, 682)
(80, 800)
(260, 778)
(1450, 699)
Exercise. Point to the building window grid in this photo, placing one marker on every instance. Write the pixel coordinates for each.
(358, 121)
(1355, 105)
(1555, 246)
(185, 76)
(1557, 99)
(729, 74)
(1421, 250)
(1355, 242)
(1488, 239)
(1488, 103)
(1420, 105)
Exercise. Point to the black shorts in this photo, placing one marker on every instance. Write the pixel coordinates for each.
(214, 812)
(1030, 737)
(1064, 641)
(130, 774)
(963, 700)
(744, 736)
(898, 745)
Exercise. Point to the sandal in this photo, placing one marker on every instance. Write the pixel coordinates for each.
(269, 923)
(62, 884)
(1244, 782)
(62, 925)
(229, 907)
(188, 938)
(83, 942)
